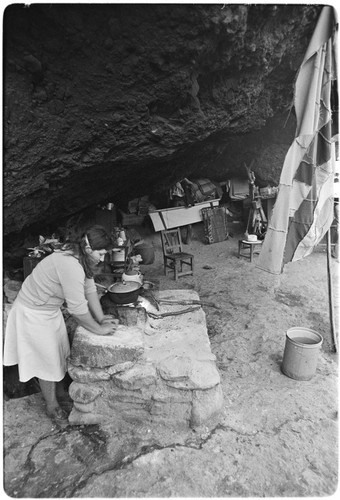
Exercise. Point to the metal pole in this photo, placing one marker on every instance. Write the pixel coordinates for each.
(330, 291)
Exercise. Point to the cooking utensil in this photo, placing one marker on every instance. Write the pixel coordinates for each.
(148, 285)
(101, 286)
(133, 276)
(124, 292)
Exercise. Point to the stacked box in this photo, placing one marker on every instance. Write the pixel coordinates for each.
(215, 224)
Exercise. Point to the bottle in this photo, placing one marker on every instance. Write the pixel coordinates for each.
(122, 235)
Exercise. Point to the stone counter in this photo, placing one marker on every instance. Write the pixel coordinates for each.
(160, 371)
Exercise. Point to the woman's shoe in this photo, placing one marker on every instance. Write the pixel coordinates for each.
(59, 416)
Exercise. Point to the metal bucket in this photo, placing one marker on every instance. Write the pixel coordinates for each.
(301, 353)
(118, 255)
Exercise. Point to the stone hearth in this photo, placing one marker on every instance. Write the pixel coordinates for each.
(158, 370)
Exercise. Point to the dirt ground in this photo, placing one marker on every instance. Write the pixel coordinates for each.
(277, 437)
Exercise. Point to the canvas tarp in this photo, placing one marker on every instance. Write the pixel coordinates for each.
(303, 211)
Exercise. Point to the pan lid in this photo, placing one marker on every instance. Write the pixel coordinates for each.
(124, 287)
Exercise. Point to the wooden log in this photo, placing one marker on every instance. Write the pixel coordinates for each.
(188, 302)
(174, 313)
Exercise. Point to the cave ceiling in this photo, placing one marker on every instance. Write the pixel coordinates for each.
(108, 102)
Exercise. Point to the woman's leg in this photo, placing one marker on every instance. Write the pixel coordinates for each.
(53, 410)
(48, 390)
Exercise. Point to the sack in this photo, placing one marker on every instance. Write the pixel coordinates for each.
(204, 189)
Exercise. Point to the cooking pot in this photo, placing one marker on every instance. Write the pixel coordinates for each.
(124, 292)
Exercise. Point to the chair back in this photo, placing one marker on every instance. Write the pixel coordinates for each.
(171, 241)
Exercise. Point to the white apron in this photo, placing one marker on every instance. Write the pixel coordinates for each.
(37, 341)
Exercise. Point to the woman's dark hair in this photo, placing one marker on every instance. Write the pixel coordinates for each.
(96, 237)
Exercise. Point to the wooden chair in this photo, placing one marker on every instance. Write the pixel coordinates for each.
(174, 257)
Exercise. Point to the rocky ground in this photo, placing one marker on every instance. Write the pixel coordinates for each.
(276, 437)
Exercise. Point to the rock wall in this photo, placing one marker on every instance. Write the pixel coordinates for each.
(161, 372)
(113, 101)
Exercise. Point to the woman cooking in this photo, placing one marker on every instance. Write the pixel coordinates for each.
(36, 337)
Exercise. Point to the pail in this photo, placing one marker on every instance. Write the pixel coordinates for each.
(118, 255)
(301, 353)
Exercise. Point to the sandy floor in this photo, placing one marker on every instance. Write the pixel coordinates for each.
(251, 298)
(277, 436)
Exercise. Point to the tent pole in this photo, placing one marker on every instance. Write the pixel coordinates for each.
(330, 291)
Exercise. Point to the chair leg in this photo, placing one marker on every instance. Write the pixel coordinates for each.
(175, 270)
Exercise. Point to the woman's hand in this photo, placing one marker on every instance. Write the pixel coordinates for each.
(108, 318)
(108, 324)
(108, 328)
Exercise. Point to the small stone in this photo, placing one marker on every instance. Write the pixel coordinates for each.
(87, 375)
(141, 375)
(84, 408)
(82, 393)
(121, 367)
(206, 405)
(185, 373)
(79, 418)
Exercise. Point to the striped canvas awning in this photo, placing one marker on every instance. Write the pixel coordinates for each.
(303, 211)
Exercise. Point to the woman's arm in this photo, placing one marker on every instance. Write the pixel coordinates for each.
(77, 295)
(94, 305)
(89, 323)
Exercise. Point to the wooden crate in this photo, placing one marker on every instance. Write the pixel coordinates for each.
(131, 219)
(215, 224)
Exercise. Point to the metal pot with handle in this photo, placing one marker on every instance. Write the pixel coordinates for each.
(124, 292)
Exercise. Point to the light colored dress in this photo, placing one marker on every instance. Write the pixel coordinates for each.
(36, 337)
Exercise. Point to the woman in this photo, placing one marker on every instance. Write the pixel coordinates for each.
(36, 337)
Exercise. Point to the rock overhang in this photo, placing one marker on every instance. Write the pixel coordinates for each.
(104, 101)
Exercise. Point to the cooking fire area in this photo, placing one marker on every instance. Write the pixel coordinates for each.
(158, 366)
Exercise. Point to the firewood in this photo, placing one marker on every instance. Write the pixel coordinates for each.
(189, 302)
(174, 313)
